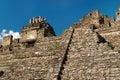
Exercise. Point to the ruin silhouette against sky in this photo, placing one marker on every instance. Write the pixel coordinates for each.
(59, 13)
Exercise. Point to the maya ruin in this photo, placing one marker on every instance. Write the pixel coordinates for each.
(88, 50)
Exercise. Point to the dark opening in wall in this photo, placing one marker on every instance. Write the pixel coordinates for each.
(10, 48)
(93, 27)
(1, 73)
(30, 43)
(101, 20)
(118, 13)
(109, 24)
(90, 14)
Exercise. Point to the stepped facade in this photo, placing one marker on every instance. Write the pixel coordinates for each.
(88, 50)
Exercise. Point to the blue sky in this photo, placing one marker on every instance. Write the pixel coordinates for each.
(14, 14)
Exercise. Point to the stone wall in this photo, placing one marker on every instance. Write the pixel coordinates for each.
(38, 28)
(16, 42)
(41, 62)
(28, 35)
(7, 40)
(90, 58)
(113, 38)
(118, 15)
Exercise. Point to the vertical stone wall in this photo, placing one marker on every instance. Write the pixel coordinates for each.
(28, 35)
(7, 40)
(95, 14)
(23, 36)
(32, 34)
(16, 42)
(118, 15)
(95, 21)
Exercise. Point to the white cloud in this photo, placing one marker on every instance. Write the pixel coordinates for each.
(10, 32)
(3, 33)
(0, 37)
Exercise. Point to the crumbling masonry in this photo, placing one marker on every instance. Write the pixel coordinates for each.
(88, 50)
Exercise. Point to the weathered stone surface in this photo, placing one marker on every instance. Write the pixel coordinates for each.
(37, 28)
(7, 40)
(88, 50)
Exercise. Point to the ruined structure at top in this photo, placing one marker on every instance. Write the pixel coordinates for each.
(88, 50)
(37, 28)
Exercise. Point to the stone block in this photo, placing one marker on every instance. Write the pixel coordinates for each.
(7, 40)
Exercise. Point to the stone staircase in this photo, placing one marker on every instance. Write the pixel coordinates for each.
(89, 60)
